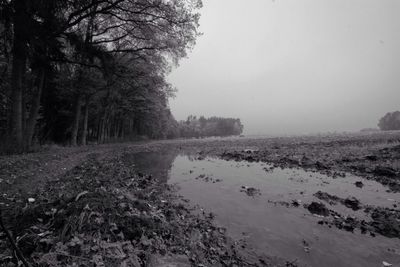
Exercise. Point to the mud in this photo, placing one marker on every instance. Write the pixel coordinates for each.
(350, 202)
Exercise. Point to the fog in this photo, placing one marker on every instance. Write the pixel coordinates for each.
(293, 66)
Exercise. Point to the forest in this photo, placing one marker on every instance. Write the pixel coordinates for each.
(79, 71)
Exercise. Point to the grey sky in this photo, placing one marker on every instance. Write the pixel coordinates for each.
(293, 66)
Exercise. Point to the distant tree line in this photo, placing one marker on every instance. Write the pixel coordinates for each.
(391, 121)
(205, 127)
(90, 70)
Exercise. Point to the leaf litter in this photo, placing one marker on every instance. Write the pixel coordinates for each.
(103, 213)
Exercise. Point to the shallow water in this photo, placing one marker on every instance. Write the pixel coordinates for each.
(269, 227)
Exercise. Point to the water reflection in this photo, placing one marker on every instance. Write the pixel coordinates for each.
(269, 227)
(156, 164)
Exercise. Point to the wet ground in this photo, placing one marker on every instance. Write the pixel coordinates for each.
(103, 212)
(268, 208)
(330, 200)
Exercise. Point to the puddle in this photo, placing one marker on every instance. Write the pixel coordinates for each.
(271, 228)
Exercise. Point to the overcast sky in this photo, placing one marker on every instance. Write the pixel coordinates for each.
(293, 66)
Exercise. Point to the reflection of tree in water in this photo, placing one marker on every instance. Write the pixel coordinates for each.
(156, 164)
(195, 155)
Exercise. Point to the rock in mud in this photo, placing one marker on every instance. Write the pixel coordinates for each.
(359, 184)
(318, 209)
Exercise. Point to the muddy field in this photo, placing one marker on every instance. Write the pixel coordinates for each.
(293, 201)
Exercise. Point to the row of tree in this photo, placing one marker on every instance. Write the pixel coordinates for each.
(391, 121)
(79, 70)
(204, 127)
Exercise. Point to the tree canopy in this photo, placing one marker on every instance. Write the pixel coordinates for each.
(79, 70)
(391, 121)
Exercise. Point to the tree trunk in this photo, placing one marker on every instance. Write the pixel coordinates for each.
(75, 125)
(23, 106)
(19, 53)
(104, 124)
(34, 110)
(85, 122)
(98, 130)
(102, 130)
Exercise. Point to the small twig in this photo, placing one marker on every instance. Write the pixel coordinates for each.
(13, 244)
(81, 194)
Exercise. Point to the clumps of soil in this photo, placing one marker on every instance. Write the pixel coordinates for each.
(208, 179)
(102, 213)
(317, 208)
(383, 221)
(293, 203)
(347, 223)
(350, 223)
(350, 202)
(250, 191)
